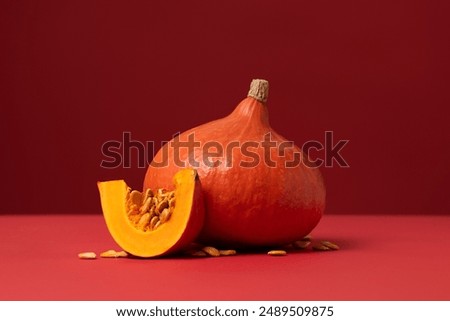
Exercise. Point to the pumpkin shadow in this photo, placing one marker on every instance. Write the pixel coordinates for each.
(345, 244)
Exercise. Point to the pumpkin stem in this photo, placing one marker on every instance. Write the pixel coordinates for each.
(259, 89)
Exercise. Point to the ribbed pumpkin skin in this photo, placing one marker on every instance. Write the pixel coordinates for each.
(253, 206)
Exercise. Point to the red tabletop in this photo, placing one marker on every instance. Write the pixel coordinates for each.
(382, 257)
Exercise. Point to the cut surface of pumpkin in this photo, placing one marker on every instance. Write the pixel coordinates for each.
(154, 222)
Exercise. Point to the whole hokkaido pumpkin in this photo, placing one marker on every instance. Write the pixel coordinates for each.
(258, 187)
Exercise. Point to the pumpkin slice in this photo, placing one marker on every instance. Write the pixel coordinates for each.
(154, 222)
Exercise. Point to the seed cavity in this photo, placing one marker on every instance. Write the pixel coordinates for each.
(149, 210)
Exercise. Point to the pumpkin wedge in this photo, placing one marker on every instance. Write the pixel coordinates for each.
(155, 222)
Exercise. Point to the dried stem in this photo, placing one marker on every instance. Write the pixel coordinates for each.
(259, 89)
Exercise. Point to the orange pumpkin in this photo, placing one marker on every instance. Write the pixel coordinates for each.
(255, 194)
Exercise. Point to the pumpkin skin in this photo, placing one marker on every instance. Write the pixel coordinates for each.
(174, 235)
(247, 206)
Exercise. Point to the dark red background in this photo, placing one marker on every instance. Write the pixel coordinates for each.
(75, 74)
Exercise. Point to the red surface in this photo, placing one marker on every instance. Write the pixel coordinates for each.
(75, 74)
(382, 258)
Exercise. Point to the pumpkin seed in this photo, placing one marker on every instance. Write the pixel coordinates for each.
(145, 207)
(320, 247)
(109, 253)
(211, 251)
(152, 211)
(135, 197)
(330, 245)
(164, 216)
(227, 252)
(147, 194)
(153, 221)
(277, 253)
(143, 221)
(87, 255)
(122, 254)
(113, 254)
(161, 206)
